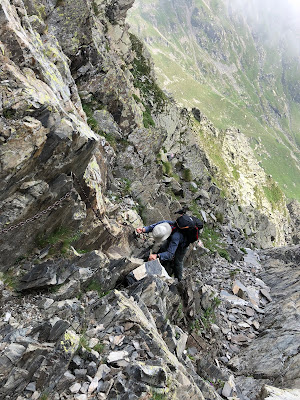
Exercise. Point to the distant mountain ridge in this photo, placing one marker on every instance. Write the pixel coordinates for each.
(240, 69)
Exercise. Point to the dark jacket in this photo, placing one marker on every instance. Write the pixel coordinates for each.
(176, 240)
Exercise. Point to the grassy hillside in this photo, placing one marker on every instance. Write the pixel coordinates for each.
(207, 56)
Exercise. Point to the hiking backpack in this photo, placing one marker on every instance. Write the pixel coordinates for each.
(194, 226)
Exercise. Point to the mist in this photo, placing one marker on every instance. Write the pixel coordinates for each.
(274, 21)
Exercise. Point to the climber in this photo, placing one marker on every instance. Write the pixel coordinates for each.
(174, 238)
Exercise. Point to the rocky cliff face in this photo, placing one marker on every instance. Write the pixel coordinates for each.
(90, 146)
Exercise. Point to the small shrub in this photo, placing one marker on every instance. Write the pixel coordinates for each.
(243, 250)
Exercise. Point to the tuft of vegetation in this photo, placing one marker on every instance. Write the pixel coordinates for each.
(167, 168)
(95, 286)
(158, 396)
(60, 240)
(84, 343)
(147, 118)
(136, 98)
(9, 113)
(208, 317)
(243, 250)
(99, 347)
(195, 210)
(224, 253)
(10, 279)
(187, 175)
(212, 241)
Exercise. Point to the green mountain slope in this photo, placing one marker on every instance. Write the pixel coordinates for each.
(234, 69)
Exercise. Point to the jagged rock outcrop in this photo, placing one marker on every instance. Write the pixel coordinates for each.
(294, 210)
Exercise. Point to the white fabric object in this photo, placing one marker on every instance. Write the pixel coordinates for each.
(161, 232)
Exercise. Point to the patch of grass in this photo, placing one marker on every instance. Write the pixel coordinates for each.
(136, 98)
(127, 187)
(212, 241)
(167, 168)
(193, 189)
(147, 118)
(243, 250)
(187, 175)
(196, 325)
(95, 286)
(235, 173)
(224, 253)
(99, 347)
(9, 113)
(82, 251)
(60, 240)
(208, 317)
(158, 396)
(84, 343)
(273, 194)
(195, 210)
(10, 279)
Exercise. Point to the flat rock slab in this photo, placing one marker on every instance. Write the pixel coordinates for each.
(149, 268)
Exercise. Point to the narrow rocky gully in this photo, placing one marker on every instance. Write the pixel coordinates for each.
(91, 149)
